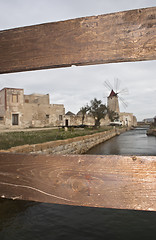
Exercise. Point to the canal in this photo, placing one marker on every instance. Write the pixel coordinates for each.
(133, 142)
(40, 221)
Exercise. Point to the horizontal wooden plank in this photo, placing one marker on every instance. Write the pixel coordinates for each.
(117, 37)
(123, 182)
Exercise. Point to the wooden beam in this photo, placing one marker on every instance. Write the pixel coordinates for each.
(123, 182)
(118, 37)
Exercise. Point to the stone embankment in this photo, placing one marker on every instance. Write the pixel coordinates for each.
(151, 132)
(77, 145)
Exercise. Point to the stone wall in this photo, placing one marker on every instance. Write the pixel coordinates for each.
(2, 103)
(151, 132)
(74, 120)
(77, 145)
(128, 119)
(37, 98)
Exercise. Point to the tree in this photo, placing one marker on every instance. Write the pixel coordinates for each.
(83, 110)
(112, 115)
(98, 110)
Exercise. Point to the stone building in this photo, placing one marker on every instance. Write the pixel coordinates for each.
(127, 119)
(72, 119)
(148, 120)
(76, 119)
(20, 111)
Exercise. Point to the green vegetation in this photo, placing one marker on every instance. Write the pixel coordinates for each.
(113, 116)
(83, 111)
(12, 139)
(98, 110)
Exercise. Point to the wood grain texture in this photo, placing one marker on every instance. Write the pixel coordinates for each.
(83, 180)
(117, 37)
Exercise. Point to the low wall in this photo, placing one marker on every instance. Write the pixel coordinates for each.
(77, 145)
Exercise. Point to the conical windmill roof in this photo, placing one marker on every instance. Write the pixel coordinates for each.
(112, 94)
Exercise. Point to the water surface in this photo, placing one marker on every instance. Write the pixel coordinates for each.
(134, 142)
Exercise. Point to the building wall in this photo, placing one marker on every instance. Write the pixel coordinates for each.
(2, 102)
(128, 119)
(134, 121)
(13, 105)
(2, 107)
(113, 103)
(37, 98)
(28, 110)
(40, 115)
(57, 114)
(74, 120)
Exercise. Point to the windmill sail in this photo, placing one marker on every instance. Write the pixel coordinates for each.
(114, 98)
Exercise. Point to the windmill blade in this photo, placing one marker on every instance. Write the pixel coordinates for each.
(125, 104)
(116, 84)
(105, 96)
(123, 91)
(108, 85)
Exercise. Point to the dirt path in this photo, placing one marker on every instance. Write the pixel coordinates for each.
(26, 129)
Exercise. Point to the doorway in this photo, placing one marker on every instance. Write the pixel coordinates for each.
(14, 119)
(66, 122)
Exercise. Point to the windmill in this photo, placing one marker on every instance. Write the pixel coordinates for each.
(114, 96)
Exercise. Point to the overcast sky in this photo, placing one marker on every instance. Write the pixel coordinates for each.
(76, 86)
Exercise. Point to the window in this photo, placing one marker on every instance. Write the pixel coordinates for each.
(47, 116)
(1, 118)
(15, 98)
(60, 117)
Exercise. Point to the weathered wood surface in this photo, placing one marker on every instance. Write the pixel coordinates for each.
(117, 37)
(83, 180)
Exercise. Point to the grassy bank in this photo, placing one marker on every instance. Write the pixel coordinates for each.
(12, 139)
